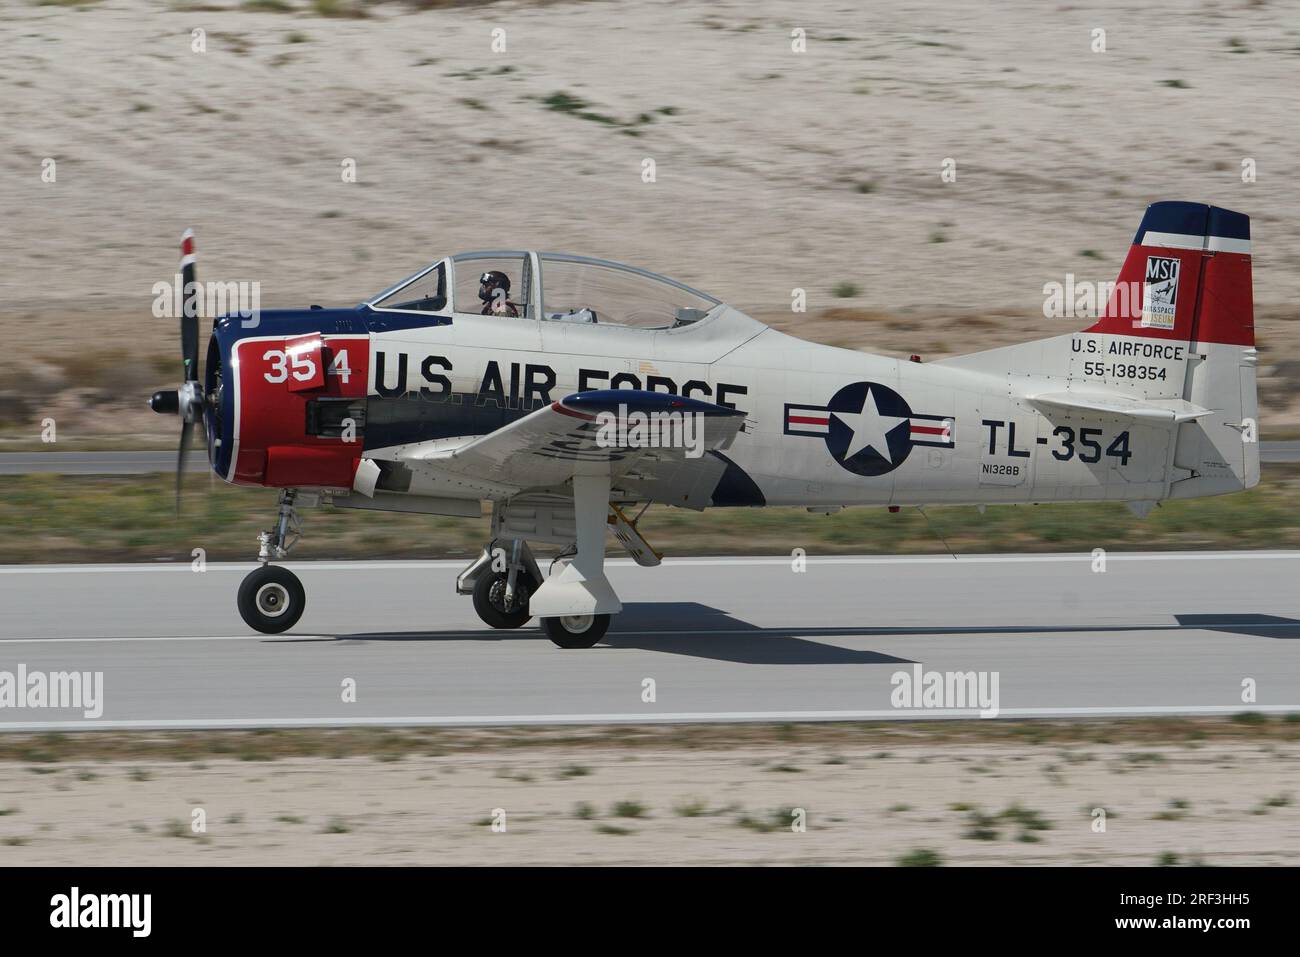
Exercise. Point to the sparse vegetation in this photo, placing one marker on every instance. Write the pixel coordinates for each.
(339, 9)
(1276, 801)
(184, 747)
(987, 827)
(981, 827)
(561, 102)
(628, 809)
(778, 819)
(692, 808)
(920, 857)
(1170, 859)
(1144, 757)
(846, 290)
(522, 777)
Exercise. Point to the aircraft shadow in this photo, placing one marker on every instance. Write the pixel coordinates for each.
(702, 631)
(1257, 626)
(682, 628)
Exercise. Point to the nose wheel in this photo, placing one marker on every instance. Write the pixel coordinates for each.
(271, 599)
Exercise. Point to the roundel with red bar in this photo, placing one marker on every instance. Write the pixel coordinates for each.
(868, 428)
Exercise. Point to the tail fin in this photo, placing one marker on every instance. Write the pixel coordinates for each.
(1208, 302)
(1187, 280)
(1186, 277)
(1175, 342)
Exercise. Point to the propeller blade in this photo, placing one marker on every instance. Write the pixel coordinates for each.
(190, 297)
(186, 431)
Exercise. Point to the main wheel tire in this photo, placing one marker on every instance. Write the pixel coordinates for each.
(576, 631)
(271, 599)
(490, 599)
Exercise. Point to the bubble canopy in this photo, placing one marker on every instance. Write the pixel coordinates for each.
(552, 287)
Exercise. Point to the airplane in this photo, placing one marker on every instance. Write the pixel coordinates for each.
(534, 382)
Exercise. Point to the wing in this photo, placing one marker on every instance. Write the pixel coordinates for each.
(653, 445)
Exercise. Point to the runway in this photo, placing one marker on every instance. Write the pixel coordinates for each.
(97, 463)
(141, 463)
(726, 639)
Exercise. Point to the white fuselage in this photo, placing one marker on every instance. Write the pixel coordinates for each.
(828, 427)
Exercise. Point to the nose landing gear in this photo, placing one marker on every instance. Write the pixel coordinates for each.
(271, 598)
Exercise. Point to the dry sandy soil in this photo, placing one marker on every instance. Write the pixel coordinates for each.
(774, 169)
(726, 798)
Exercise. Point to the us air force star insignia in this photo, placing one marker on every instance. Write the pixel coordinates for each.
(869, 428)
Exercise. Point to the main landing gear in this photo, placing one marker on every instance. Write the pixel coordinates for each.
(574, 604)
(503, 579)
(576, 631)
(271, 598)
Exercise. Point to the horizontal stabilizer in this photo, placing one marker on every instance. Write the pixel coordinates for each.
(1155, 411)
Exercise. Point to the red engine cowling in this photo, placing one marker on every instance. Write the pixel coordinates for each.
(299, 409)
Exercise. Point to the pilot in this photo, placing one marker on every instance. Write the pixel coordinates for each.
(494, 290)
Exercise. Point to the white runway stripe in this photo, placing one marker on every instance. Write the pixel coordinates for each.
(685, 717)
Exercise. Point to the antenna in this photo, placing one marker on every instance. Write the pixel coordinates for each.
(921, 509)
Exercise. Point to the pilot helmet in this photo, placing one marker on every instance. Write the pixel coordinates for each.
(490, 282)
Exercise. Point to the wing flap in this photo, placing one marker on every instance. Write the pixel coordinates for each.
(649, 437)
